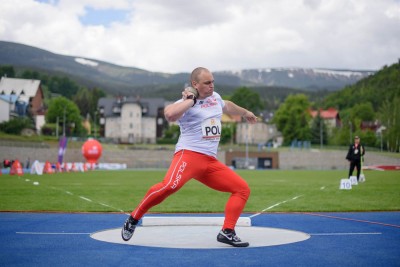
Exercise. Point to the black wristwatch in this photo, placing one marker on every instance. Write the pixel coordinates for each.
(192, 97)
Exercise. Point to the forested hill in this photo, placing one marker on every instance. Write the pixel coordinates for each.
(375, 89)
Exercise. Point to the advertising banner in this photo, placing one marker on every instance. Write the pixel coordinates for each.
(61, 149)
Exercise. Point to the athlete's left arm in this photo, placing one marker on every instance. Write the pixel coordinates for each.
(231, 108)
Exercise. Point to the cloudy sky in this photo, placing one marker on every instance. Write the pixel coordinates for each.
(178, 35)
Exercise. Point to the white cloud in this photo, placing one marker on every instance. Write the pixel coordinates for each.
(178, 35)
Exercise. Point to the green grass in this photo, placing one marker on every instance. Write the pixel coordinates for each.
(113, 191)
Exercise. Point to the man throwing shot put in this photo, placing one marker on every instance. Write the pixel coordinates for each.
(198, 114)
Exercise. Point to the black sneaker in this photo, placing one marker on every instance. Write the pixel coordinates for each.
(229, 237)
(128, 228)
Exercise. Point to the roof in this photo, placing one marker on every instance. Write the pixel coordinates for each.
(24, 88)
(231, 118)
(330, 113)
(9, 98)
(151, 104)
(370, 125)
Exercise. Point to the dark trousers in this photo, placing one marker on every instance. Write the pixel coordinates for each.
(355, 163)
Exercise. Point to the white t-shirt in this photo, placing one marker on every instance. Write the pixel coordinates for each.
(201, 126)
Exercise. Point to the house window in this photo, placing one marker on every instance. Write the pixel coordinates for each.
(130, 125)
(131, 114)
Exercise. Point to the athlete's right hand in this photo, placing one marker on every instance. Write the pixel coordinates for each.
(189, 91)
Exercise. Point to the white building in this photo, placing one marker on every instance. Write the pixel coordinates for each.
(21, 97)
(131, 120)
(258, 133)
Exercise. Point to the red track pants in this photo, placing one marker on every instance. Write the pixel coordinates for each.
(208, 170)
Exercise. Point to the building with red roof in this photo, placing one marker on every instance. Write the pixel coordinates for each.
(330, 116)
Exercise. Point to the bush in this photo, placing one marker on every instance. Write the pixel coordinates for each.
(368, 138)
(49, 129)
(15, 126)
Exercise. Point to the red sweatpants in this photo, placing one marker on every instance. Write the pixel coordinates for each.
(208, 170)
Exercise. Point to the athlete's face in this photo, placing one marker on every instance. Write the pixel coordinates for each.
(204, 84)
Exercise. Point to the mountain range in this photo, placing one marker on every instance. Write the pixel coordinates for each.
(117, 79)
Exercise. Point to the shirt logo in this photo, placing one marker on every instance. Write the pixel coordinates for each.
(209, 102)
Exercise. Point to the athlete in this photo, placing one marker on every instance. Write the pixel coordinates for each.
(355, 155)
(195, 155)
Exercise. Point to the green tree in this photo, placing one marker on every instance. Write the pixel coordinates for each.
(97, 93)
(228, 132)
(171, 135)
(7, 71)
(292, 118)
(341, 136)
(390, 117)
(352, 118)
(63, 86)
(248, 99)
(368, 138)
(363, 111)
(29, 74)
(86, 100)
(73, 120)
(318, 127)
(83, 100)
(374, 89)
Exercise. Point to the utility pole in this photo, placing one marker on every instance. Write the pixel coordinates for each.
(58, 119)
(94, 124)
(64, 123)
(321, 137)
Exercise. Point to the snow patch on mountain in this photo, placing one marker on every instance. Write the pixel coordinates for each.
(346, 73)
(87, 62)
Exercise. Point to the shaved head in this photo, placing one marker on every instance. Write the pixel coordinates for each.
(196, 72)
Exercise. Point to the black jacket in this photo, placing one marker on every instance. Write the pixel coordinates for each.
(355, 153)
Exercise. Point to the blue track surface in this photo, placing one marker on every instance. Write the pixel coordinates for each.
(337, 239)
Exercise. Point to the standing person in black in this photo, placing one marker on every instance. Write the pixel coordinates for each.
(354, 156)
